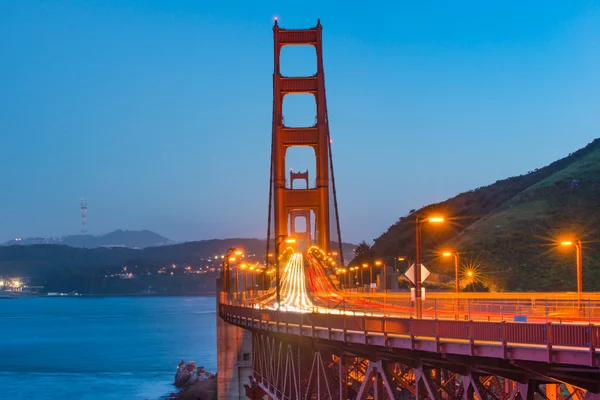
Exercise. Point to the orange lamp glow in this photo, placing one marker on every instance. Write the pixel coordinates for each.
(290, 240)
(566, 243)
(446, 254)
(238, 252)
(436, 220)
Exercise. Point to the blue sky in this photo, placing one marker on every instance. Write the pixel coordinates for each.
(159, 112)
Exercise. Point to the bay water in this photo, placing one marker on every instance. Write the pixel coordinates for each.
(93, 348)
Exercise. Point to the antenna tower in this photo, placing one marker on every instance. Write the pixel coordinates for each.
(83, 208)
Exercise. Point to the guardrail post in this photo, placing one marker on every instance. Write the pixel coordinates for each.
(549, 340)
(383, 329)
(436, 335)
(546, 310)
(592, 347)
(412, 337)
(365, 326)
(345, 327)
(470, 336)
(469, 308)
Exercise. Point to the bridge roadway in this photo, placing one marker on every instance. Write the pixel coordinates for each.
(473, 337)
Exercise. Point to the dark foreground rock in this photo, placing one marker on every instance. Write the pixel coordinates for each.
(195, 383)
(201, 390)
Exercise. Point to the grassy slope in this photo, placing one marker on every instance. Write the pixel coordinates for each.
(518, 239)
(505, 229)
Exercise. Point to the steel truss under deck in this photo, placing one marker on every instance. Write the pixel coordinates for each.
(288, 369)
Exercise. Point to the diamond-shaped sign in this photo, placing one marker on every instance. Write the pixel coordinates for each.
(410, 274)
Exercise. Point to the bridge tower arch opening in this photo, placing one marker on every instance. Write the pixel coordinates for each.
(286, 203)
(301, 219)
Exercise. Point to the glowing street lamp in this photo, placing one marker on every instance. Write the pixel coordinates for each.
(456, 266)
(368, 265)
(245, 268)
(383, 273)
(579, 261)
(418, 222)
(456, 278)
(400, 258)
(227, 259)
(342, 272)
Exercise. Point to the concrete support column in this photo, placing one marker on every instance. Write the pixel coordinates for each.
(234, 360)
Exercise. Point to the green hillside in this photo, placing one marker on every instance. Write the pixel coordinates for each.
(507, 231)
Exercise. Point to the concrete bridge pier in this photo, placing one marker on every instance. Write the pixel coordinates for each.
(234, 360)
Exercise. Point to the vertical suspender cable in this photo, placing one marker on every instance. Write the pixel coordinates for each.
(335, 204)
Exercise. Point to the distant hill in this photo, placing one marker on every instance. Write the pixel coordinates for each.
(64, 268)
(118, 238)
(508, 230)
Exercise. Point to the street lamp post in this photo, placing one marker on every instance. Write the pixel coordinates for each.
(457, 281)
(579, 262)
(400, 258)
(237, 269)
(383, 274)
(280, 239)
(226, 266)
(353, 275)
(343, 278)
(245, 268)
(418, 222)
(252, 272)
(456, 265)
(370, 266)
(362, 279)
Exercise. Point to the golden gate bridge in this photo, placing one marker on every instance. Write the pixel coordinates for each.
(305, 337)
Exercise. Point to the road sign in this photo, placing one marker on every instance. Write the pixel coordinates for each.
(410, 274)
(373, 285)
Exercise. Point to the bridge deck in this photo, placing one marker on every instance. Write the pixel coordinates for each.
(503, 348)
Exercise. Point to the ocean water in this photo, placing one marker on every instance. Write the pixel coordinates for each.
(92, 348)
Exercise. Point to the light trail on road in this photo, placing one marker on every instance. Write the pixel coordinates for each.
(293, 291)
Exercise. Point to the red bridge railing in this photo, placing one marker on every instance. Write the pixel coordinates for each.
(580, 337)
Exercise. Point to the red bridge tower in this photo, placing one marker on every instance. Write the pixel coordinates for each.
(289, 202)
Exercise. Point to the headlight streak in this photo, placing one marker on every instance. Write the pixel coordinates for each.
(294, 291)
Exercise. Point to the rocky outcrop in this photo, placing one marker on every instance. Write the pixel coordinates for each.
(195, 382)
